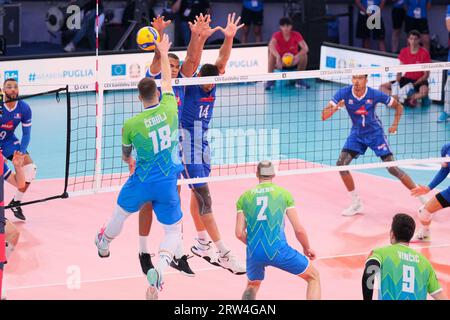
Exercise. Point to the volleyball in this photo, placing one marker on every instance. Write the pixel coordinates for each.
(288, 59)
(147, 37)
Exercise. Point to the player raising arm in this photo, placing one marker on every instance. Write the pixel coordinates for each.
(260, 219)
(16, 111)
(436, 203)
(366, 132)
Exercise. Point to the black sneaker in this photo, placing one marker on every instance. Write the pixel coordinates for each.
(146, 262)
(18, 213)
(182, 265)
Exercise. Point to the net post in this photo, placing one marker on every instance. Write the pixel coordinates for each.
(98, 108)
(2, 226)
(68, 142)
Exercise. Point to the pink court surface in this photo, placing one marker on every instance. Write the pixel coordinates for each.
(56, 257)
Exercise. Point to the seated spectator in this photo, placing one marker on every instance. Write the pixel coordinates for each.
(417, 19)
(412, 86)
(362, 28)
(252, 14)
(398, 18)
(284, 53)
(186, 11)
(87, 26)
(445, 115)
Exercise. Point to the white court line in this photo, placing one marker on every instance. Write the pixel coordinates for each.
(203, 269)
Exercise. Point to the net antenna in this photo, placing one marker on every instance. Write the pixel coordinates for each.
(141, 17)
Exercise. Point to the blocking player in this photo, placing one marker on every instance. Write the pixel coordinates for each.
(261, 212)
(436, 203)
(195, 118)
(15, 112)
(405, 274)
(367, 132)
(153, 133)
(200, 32)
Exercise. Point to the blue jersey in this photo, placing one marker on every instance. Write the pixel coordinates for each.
(445, 151)
(6, 171)
(362, 110)
(399, 3)
(417, 9)
(10, 119)
(177, 90)
(253, 5)
(368, 3)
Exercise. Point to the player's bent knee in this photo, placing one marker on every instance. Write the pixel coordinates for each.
(29, 171)
(204, 200)
(311, 274)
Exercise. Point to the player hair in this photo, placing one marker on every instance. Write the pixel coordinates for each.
(365, 75)
(147, 88)
(173, 56)
(403, 227)
(209, 70)
(285, 21)
(415, 33)
(265, 165)
(8, 80)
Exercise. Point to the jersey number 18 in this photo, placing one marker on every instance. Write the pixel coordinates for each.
(164, 141)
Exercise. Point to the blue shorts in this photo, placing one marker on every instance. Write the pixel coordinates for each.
(202, 170)
(287, 259)
(444, 198)
(377, 142)
(162, 194)
(9, 147)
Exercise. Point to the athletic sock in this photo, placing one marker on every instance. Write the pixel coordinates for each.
(354, 195)
(221, 247)
(18, 196)
(9, 250)
(203, 237)
(143, 244)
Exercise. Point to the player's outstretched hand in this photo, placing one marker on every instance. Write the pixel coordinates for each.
(201, 26)
(18, 159)
(232, 26)
(159, 23)
(310, 253)
(420, 190)
(164, 45)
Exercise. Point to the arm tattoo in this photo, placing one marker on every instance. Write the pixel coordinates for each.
(126, 151)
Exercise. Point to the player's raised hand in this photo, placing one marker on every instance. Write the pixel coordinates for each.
(164, 45)
(420, 190)
(159, 23)
(310, 253)
(201, 26)
(18, 159)
(232, 26)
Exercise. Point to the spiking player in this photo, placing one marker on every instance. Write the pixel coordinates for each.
(200, 32)
(366, 132)
(195, 118)
(436, 203)
(261, 214)
(405, 274)
(153, 133)
(12, 114)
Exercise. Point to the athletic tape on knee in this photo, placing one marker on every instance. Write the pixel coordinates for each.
(204, 199)
(425, 215)
(29, 171)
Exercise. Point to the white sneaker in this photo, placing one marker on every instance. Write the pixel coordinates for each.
(102, 244)
(206, 251)
(70, 47)
(423, 235)
(155, 282)
(355, 207)
(232, 263)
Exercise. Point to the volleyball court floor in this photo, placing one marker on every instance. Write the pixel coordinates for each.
(56, 257)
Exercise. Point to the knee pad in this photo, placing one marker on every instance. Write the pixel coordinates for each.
(424, 215)
(396, 172)
(204, 199)
(29, 171)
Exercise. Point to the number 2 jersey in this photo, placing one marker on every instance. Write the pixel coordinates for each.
(405, 273)
(10, 119)
(265, 208)
(154, 135)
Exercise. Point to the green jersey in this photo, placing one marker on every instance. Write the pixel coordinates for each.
(264, 208)
(405, 273)
(154, 135)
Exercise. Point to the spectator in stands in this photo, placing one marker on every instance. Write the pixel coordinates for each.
(445, 115)
(412, 86)
(364, 28)
(186, 11)
(284, 53)
(398, 18)
(417, 19)
(252, 14)
(87, 25)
